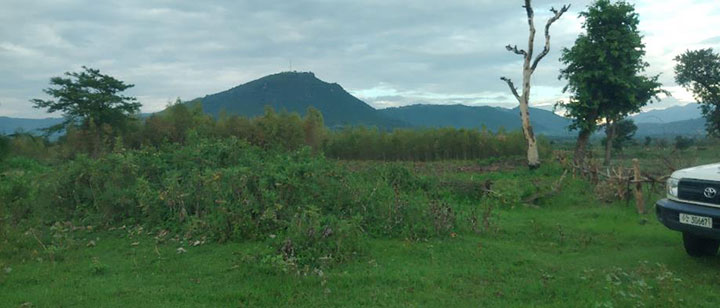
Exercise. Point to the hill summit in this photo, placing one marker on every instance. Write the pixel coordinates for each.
(295, 92)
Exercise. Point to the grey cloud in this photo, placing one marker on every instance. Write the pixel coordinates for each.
(192, 48)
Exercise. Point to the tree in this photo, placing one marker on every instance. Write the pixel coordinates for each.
(648, 141)
(87, 99)
(314, 129)
(602, 71)
(529, 66)
(699, 72)
(683, 143)
(624, 133)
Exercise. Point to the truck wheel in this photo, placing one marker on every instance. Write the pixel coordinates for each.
(699, 246)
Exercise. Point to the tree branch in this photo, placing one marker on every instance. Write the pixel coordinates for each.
(515, 50)
(550, 21)
(512, 87)
(529, 9)
(531, 36)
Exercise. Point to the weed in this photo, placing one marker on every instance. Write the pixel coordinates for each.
(97, 267)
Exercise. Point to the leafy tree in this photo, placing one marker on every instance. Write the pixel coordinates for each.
(28, 145)
(88, 99)
(699, 72)
(648, 141)
(683, 143)
(624, 133)
(529, 66)
(314, 127)
(602, 71)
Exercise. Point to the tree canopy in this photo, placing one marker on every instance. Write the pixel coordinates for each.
(624, 132)
(89, 98)
(699, 72)
(603, 69)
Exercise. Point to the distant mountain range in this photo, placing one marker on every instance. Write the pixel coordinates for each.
(692, 127)
(296, 91)
(462, 116)
(671, 114)
(12, 125)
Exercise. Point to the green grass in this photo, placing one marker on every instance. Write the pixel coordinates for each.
(565, 250)
(570, 251)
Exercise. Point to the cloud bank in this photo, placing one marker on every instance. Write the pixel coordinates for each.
(388, 53)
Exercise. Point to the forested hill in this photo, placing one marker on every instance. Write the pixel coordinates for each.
(493, 118)
(295, 92)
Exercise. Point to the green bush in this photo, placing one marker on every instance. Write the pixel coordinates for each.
(4, 147)
(683, 143)
(316, 211)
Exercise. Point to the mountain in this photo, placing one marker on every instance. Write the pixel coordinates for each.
(671, 114)
(692, 127)
(493, 118)
(295, 92)
(12, 125)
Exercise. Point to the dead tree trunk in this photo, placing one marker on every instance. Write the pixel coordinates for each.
(529, 66)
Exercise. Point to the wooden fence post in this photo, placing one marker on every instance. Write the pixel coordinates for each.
(639, 199)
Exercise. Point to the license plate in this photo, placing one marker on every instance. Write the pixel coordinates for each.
(694, 220)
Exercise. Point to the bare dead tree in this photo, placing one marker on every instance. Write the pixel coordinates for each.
(529, 66)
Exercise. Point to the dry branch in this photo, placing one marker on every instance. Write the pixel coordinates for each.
(515, 50)
(546, 49)
(513, 89)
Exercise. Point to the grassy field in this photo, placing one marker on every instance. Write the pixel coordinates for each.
(565, 250)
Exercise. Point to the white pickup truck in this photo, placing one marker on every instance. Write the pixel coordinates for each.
(692, 207)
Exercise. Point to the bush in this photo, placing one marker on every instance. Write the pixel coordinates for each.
(4, 147)
(316, 211)
(683, 143)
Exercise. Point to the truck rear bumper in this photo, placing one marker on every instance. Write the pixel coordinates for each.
(668, 212)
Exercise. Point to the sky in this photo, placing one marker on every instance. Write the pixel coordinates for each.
(388, 53)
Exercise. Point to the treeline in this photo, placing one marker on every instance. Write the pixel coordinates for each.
(273, 130)
(363, 143)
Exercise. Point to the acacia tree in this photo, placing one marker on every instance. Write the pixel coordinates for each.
(602, 72)
(92, 102)
(529, 66)
(699, 72)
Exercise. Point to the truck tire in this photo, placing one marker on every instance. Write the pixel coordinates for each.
(699, 246)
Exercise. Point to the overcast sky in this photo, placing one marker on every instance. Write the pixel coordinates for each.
(388, 53)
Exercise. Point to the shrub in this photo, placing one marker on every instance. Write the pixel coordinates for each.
(683, 143)
(225, 189)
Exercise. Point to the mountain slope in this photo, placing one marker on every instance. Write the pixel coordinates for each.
(693, 127)
(12, 125)
(462, 116)
(295, 92)
(671, 114)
